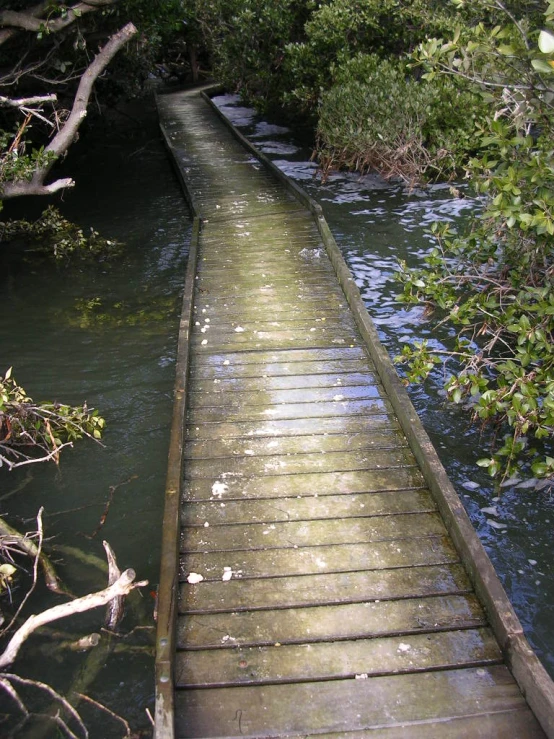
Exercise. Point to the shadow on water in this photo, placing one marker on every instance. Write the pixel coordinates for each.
(376, 223)
(105, 333)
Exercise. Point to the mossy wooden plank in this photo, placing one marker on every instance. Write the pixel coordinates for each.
(286, 486)
(284, 274)
(250, 510)
(210, 304)
(269, 397)
(370, 425)
(375, 406)
(299, 444)
(281, 357)
(328, 623)
(317, 559)
(251, 340)
(290, 314)
(279, 371)
(218, 385)
(347, 705)
(327, 588)
(359, 530)
(511, 723)
(337, 660)
(300, 462)
(271, 262)
(240, 329)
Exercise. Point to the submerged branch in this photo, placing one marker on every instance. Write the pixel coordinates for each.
(25, 544)
(122, 586)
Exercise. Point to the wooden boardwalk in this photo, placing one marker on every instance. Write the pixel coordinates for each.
(320, 576)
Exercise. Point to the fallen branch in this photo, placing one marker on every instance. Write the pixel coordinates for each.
(6, 680)
(102, 707)
(123, 586)
(24, 102)
(114, 612)
(31, 20)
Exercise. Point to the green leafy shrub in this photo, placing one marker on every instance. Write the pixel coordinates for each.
(495, 283)
(56, 236)
(379, 116)
(339, 30)
(36, 432)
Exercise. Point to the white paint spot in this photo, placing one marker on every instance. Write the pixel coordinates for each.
(219, 489)
(194, 577)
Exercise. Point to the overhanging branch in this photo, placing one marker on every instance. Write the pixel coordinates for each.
(32, 20)
(66, 135)
(26, 102)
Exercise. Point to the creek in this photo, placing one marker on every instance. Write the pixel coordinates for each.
(106, 333)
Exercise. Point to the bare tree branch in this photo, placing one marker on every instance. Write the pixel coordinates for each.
(123, 586)
(37, 10)
(7, 678)
(25, 544)
(64, 138)
(15, 21)
(23, 102)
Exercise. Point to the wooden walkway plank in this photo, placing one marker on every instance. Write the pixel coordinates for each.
(333, 588)
(309, 533)
(274, 486)
(315, 507)
(324, 578)
(282, 445)
(311, 560)
(322, 661)
(365, 620)
(310, 709)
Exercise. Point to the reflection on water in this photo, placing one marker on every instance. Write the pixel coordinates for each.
(121, 363)
(376, 223)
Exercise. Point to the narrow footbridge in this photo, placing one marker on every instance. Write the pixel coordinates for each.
(319, 574)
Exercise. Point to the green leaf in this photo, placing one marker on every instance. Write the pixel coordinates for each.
(541, 66)
(546, 42)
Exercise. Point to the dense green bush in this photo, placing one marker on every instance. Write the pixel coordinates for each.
(379, 116)
(495, 283)
(246, 40)
(338, 30)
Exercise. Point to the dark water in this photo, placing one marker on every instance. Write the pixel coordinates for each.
(376, 223)
(120, 359)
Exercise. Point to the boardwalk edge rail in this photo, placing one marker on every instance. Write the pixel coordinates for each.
(532, 678)
(169, 566)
